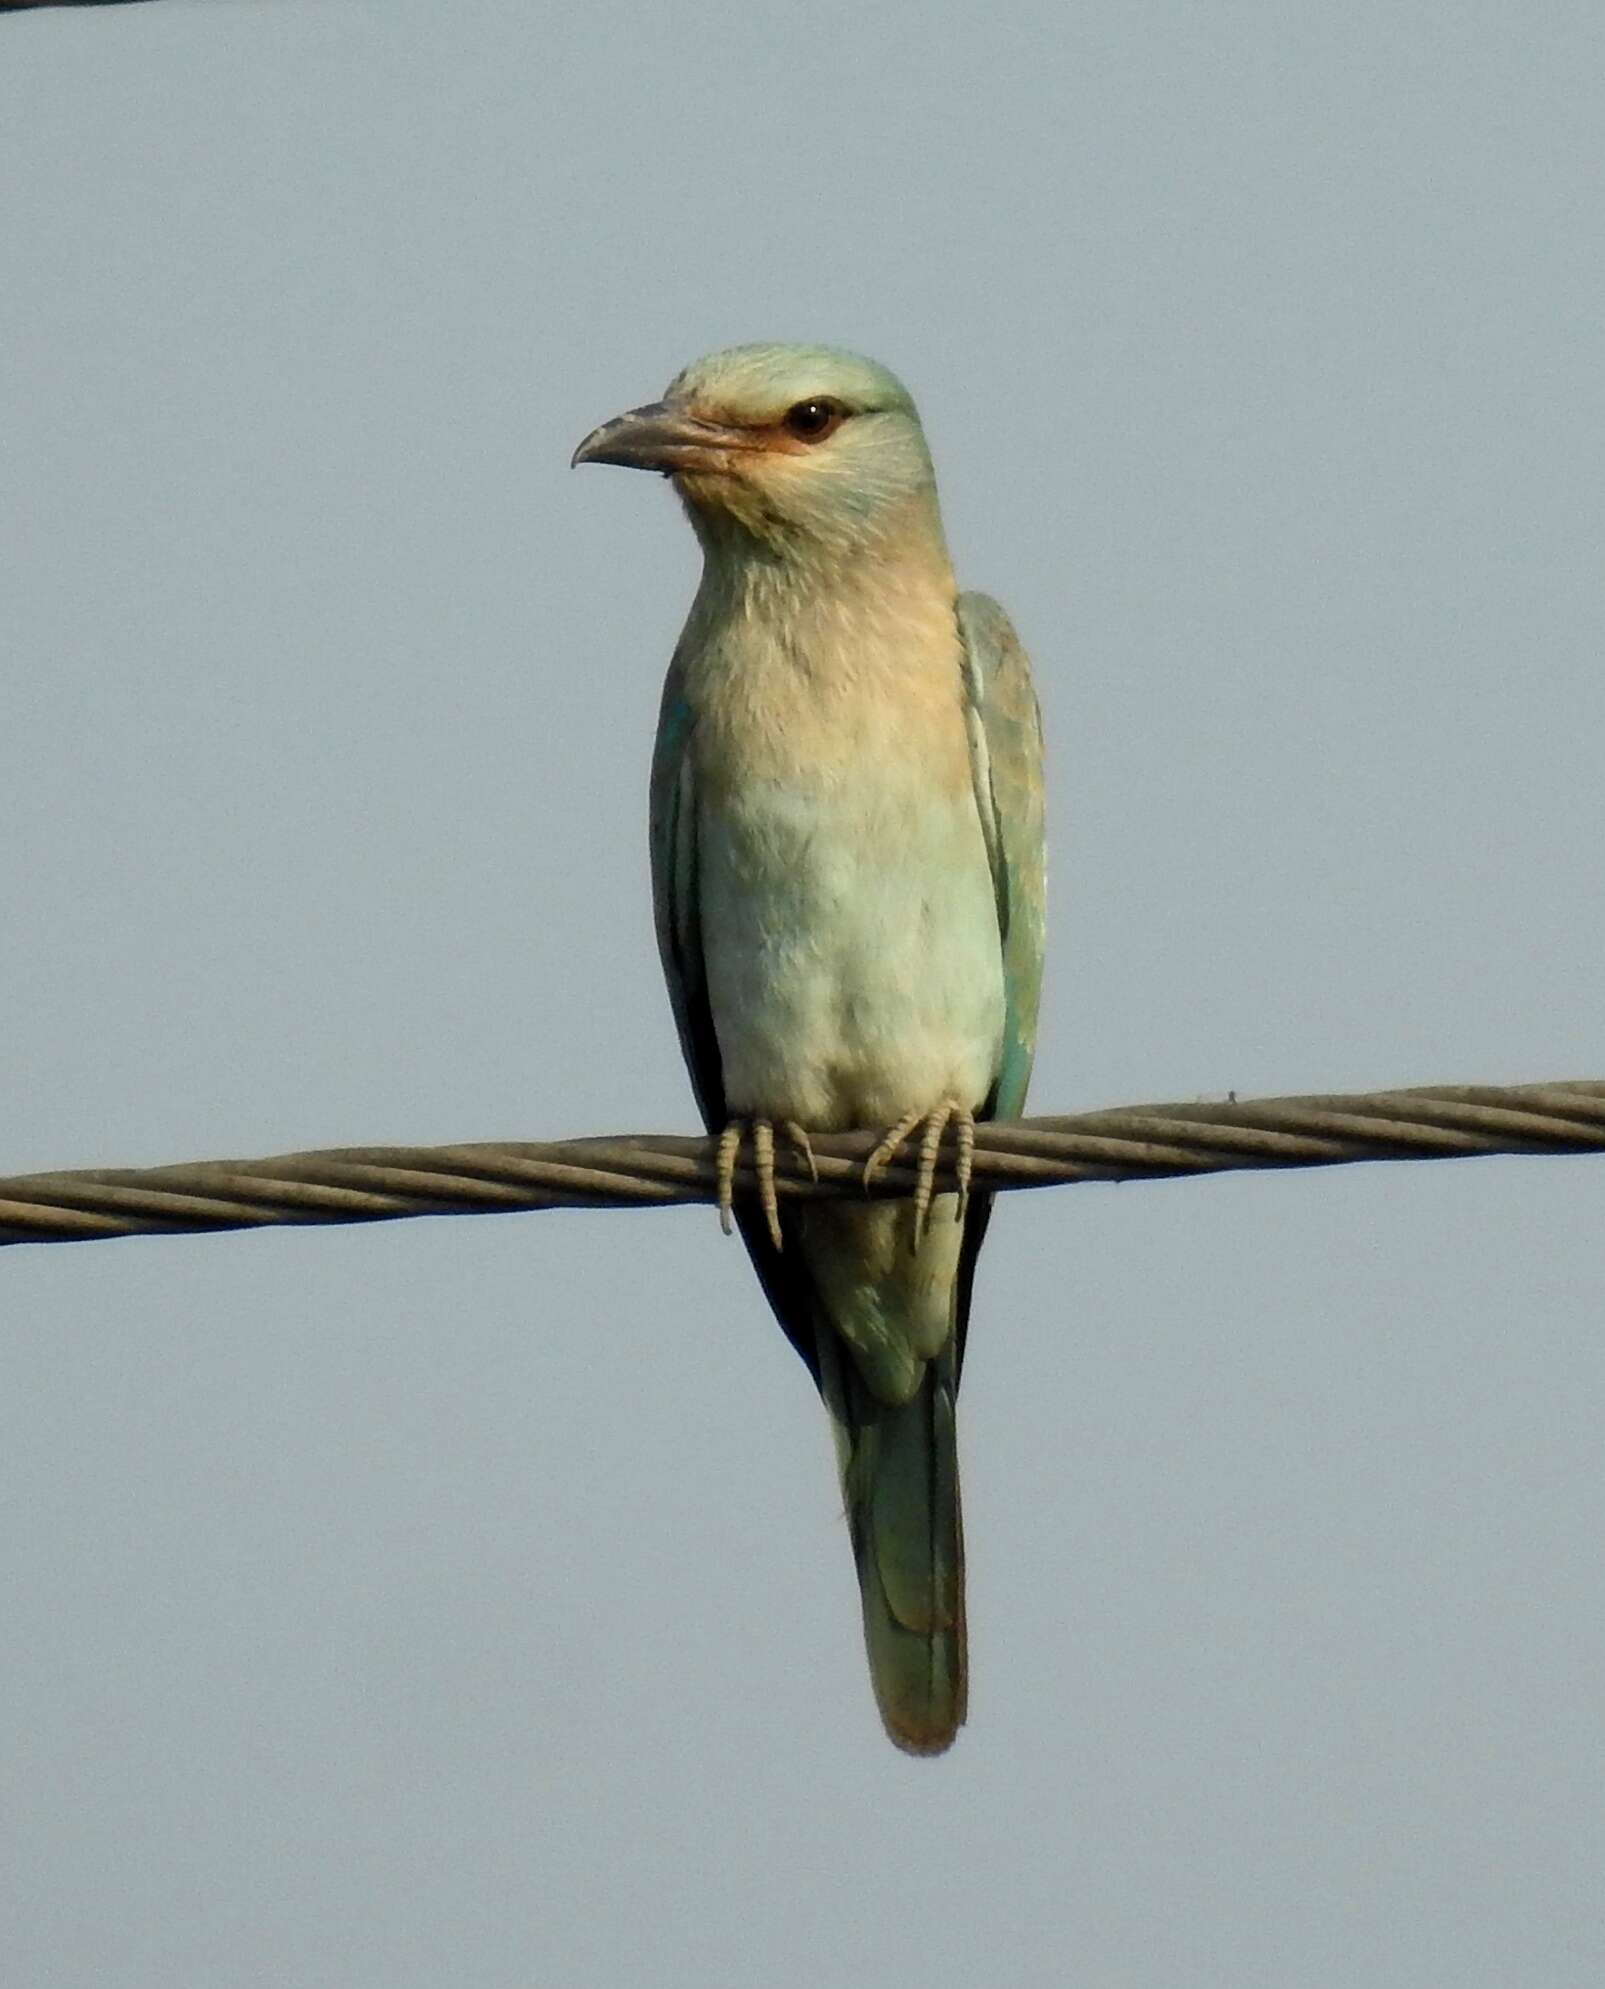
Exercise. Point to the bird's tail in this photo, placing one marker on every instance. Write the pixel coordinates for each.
(900, 1481)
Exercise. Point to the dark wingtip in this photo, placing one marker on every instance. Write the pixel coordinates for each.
(923, 1742)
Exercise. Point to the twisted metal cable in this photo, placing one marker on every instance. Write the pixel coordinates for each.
(23, 6)
(1128, 1143)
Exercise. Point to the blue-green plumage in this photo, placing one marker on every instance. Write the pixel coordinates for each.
(846, 829)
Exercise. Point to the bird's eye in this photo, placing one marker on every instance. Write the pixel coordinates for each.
(812, 421)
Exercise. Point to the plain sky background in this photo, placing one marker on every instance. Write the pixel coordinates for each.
(468, 1601)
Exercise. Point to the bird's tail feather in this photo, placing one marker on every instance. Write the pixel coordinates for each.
(900, 1482)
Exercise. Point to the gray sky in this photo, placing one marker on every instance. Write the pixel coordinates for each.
(469, 1601)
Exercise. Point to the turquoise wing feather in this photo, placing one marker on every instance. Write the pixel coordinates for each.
(673, 831)
(1006, 758)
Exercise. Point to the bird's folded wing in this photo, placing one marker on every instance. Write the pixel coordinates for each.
(674, 899)
(1005, 728)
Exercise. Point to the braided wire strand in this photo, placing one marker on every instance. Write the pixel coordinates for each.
(1125, 1143)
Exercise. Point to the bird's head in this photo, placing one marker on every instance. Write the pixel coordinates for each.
(795, 447)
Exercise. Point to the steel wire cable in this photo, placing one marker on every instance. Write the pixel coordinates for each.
(1125, 1143)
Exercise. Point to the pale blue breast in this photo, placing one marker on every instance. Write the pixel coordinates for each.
(851, 946)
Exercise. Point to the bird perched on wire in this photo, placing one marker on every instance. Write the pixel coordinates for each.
(847, 867)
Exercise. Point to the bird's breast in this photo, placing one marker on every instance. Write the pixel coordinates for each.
(847, 909)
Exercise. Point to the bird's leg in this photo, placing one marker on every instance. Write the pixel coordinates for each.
(763, 1165)
(934, 1123)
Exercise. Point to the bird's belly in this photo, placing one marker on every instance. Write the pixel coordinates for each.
(851, 946)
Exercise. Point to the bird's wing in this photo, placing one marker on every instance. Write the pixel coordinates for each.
(1005, 729)
(675, 894)
(674, 898)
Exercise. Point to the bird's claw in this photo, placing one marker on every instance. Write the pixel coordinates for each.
(724, 1166)
(889, 1144)
(763, 1165)
(934, 1123)
(804, 1146)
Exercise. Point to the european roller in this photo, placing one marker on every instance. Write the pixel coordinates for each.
(847, 869)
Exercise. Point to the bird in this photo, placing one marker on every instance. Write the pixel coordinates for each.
(849, 893)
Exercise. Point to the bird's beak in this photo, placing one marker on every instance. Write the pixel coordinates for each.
(659, 436)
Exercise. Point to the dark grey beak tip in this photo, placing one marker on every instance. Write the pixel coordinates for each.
(632, 440)
(590, 450)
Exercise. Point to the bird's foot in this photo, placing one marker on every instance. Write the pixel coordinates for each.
(763, 1165)
(934, 1123)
